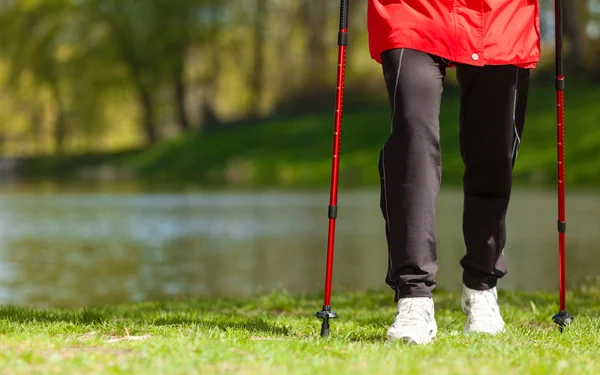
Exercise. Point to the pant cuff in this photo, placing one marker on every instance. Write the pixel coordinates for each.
(412, 292)
(473, 283)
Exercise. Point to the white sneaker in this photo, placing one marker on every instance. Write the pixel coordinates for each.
(483, 313)
(414, 322)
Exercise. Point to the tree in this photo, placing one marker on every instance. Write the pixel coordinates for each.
(575, 24)
(133, 31)
(261, 9)
(315, 19)
(177, 33)
(34, 37)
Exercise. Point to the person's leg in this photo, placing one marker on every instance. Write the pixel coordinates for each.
(410, 170)
(492, 117)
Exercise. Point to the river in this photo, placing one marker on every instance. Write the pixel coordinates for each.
(82, 248)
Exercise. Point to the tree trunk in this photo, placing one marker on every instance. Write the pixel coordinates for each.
(183, 23)
(142, 72)
(575, 29)
(285, 32)
(180, 91)
(60, 131)
(35, 122)
(210, 84)
(258, 69)
(60, 123)
(315, 13)
(209, 100)
(148, 122)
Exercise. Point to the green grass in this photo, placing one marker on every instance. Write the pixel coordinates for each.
(296, 151)
(277, 333)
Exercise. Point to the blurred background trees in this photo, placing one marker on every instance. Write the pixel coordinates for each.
(80, 76)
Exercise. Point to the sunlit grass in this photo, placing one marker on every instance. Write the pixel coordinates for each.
(277, 333)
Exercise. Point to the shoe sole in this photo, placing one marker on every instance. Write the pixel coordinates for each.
(493, 333)
(411, 341)
(406, 341)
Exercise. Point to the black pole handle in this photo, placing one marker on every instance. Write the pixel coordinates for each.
(343, 34)
(559, 33)
(344, 15)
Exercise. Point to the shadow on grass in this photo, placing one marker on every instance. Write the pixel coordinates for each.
(364, 316)
(177, 317)
(253, 325)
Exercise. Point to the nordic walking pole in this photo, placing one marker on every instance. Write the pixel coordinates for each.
(326, 313)
(562, 318)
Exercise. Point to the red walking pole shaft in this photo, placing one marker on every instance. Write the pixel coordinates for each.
(562, 318)
(561, 196)
(335, 168)
(560, 110)
(326, 313)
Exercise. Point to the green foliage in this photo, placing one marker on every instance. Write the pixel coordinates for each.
(296, 152)
(107, 75)
(87, 69)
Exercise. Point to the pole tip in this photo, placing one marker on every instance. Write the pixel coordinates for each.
(325, 314)
(562, 319)
(325, 328)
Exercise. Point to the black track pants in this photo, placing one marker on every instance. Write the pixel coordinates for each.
(492, 115)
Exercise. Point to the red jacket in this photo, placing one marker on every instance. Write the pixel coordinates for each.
(475, 32)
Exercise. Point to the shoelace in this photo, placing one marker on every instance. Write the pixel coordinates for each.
(411, 314)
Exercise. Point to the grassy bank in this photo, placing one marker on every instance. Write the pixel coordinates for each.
(277, 334)
(296, 152)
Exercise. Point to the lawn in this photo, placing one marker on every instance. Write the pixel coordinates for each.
(277, 334)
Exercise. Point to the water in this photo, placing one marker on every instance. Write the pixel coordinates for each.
(82, 249)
